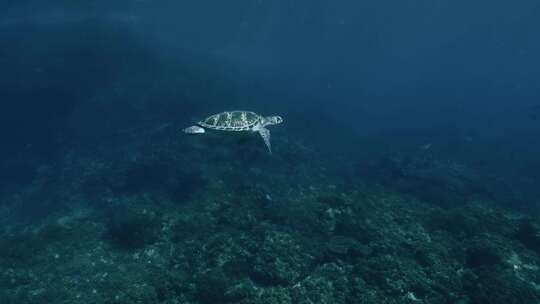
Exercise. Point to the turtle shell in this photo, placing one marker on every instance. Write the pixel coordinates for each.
(231, 121)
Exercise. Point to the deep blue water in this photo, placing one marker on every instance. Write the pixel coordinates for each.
(429, 71)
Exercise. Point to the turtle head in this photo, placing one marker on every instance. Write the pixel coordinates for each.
(193, 130)
(272, 120)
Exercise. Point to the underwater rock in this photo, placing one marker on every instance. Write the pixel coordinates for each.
(333, 201)
(482, 257)
(147, 174)
(128, 230)
(328, 283)
(192, 226)
(280, 261)
(443, 182)
(23, 248)
(529, 234)
(211, 286)
(11, 278)
(274, 295)
(140, 293)
(499, 286)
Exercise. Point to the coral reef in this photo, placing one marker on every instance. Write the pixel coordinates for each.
(152, 223)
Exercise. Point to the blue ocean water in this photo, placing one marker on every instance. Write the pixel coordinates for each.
(405, 170)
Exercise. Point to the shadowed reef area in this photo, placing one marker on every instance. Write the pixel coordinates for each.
(154, 216)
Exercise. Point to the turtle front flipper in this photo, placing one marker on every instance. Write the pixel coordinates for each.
(265, 134)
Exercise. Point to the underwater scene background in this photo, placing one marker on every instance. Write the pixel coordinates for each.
(406, 169)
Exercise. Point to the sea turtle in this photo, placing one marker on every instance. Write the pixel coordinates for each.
(237, 121)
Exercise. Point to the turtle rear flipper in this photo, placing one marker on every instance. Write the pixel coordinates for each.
(265, 134)
(193, 130)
